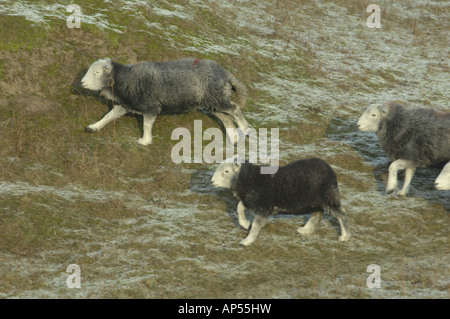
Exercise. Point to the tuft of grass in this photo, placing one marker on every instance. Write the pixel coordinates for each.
(26, 35)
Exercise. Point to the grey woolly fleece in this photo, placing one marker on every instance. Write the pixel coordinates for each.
(301, 187)
(174, 87)
(419, 135)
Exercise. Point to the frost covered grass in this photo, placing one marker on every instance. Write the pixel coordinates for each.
(140, 226)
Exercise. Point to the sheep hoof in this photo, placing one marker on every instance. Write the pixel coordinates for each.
(402, 193)
(305, 230)
(245, 242)
(246, 225)
(345, 237)
(144, 141)
(389, 191)
(87, 129)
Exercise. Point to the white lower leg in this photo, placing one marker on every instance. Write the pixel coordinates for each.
(148, 125)
(258, 223)
(116, 112)
(345, 234)
(392, 179)
(239, 118)
(409, 173)
(243, 221)
(229, 126)
(311, 225)
(397, 165)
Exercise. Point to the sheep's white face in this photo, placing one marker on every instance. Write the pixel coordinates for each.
(370, 119)
(225, 173)
(442, 182)
(95, 77)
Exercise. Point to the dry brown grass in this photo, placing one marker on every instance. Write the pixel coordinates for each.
(140, 226)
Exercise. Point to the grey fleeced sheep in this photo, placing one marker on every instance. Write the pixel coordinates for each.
(166, 88)
(301, 187)
(411, 138)
(442, 182)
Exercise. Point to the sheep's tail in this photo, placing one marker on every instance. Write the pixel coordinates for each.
(333, 194)
(239, 90)
(335, 200)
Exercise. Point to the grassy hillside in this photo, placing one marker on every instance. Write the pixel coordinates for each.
(141, 226)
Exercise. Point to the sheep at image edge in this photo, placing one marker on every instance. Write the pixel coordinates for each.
(442, 182)
(411, 138)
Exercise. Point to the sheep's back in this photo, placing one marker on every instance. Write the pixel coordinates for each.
(306, 183)
(173, 87)
(299, 187)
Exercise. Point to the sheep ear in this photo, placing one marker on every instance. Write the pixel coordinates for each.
(108, 65)
(235, 160)
(238, 160)
(383, 108)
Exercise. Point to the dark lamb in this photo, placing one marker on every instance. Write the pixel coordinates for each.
(301, 187)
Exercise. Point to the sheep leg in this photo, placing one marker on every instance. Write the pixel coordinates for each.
(341, 216)
(243, 221)
(116, 112)
(228, 124)
(257, 224)
(395, 166)
(237, 115)
(148, 125)
(409, 173)
(311, 225)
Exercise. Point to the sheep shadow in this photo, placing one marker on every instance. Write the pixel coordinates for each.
(200, 183)
(364, 143)
(367, 145)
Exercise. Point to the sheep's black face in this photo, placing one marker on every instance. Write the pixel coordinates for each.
(97, 75)
(225, 174)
